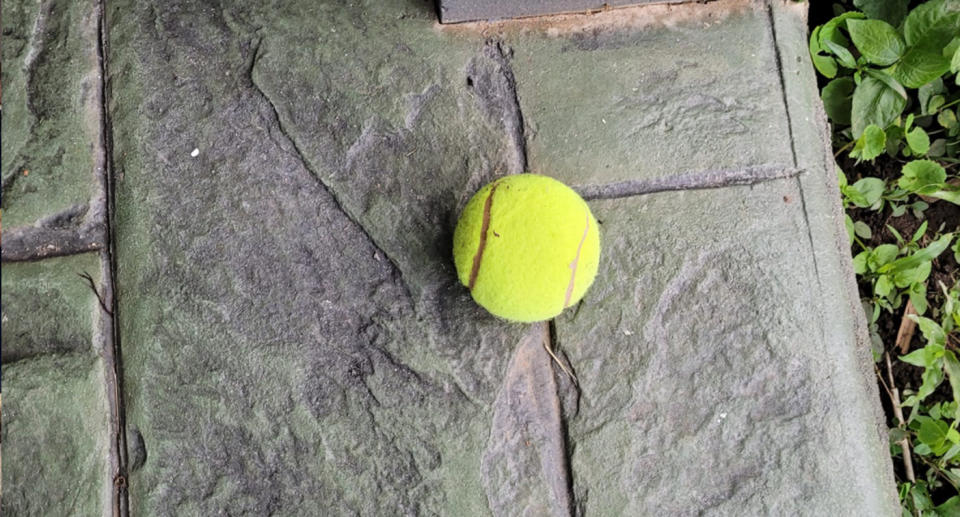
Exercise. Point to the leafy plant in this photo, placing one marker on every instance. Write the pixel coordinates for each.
(892, 97)
(932, 428)
(873, 60)
(897, 270)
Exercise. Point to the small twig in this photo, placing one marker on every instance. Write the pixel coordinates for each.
(546, 346)
(907, 327)
(86, 276)
(898, 412)
(883, 382)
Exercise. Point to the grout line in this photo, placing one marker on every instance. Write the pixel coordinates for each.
(551, 341)
(109, 327)
(28, 243)
(688, 181)
(513, 121)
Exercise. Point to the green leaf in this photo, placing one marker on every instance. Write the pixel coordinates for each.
(925, 255)
(932, 432)
(854, 196)
(952, 366)
(871, 144)
(920, 232)
(937, 148)
(932, 377)
(830, 31)
(927, 356)
(922, 176)
(920, 65)
(895, 233)
(950, 454)
(935, 103)
(912, 276)
(883, 286)
(894, 136)
(932, 332)
(955, 62)
(843, 55)
(919, 141)
(951, 47)
(862, 230)
(882, 255)
(876, 40)
(947, 119)
(932, 24)
(951, 195)
(890, 11)
(874, 103)
(871, 188)
(917, 207)
(860, 262)
(950, 507)
(837, 98)
(927, 91)
(918, 296)
(916, 358)
(826, 65)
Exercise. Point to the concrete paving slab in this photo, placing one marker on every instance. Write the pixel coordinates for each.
(48, 307)
(640, 93)
(55, 438)
(700, 344)
(50, 88)
(294, 340)
(289, 289)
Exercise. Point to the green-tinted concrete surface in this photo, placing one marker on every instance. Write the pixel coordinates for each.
(294, 339)
(48, 307)
(632, 96)
(55, 438)
(706, 381)
(50, 90)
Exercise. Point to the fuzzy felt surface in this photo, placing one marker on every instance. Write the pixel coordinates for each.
(527, 247)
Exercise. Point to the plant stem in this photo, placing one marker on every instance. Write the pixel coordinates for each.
(898, 412)
(844, 148)
(939, 472)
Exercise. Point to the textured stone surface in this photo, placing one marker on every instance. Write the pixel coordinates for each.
(294, 339)
(48, 307)
(55, 436)
(258, 315)
(669, 92)
(50, 87)
(706, 386)
(844, 328)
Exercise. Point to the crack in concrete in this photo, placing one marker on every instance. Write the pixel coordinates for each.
(301, 157)
(688, 181)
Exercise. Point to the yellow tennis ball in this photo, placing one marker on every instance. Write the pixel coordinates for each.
(527, 247)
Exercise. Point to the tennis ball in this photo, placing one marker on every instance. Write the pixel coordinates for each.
(527, 247)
